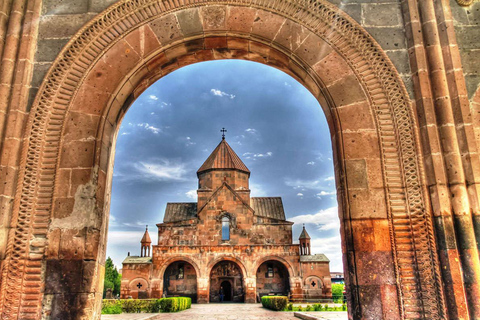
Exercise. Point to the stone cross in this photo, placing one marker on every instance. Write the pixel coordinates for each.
(139, 285)
(223, 133)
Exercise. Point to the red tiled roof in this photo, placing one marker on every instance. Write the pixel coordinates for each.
(223, 157)
(146, 238)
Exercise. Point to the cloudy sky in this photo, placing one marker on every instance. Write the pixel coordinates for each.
(273, 123)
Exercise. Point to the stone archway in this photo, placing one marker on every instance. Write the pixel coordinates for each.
(272, 278)
(392, 272)
(226, 278)
(180, 279)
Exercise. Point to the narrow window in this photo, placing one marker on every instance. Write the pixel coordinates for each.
(225, 228)
(180, 272)
(269, 270)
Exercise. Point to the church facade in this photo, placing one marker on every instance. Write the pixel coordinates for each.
(226, 246)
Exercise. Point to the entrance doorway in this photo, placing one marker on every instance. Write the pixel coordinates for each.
(227, 290)
(226, 275)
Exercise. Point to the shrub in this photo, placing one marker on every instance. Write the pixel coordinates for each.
(344, 307)
(308, 308)
(147, 305)
(317, 307)
(111, 307)
(300, 308)
(276, 303)
(290, 307)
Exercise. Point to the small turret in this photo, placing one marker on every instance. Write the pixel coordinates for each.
(304, 243)
(146, 241)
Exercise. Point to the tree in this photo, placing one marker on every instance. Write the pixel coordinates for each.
(112, 278)
(337, 292)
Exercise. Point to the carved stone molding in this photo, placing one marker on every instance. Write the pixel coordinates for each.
(412, 238)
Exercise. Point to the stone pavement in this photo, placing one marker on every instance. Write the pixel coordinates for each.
(224, 311)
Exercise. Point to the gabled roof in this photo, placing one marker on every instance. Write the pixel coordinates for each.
(270, 207)
(136, 259)
(180, 211)
(146, 237)
(223, 157)
(304, 234)
(227, 187)
(319, 257)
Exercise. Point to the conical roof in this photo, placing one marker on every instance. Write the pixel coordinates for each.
(223, 157)
(304, 234)
(146, 237)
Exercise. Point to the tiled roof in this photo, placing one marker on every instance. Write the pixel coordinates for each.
(270, 207)
(180, 211)
(136, 259)
(223, 157)
(146, 238)
(320, 257)
(304, 234)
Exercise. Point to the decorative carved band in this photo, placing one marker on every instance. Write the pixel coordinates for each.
(419, 287)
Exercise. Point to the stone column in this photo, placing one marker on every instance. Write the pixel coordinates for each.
(250, 289)
(203, 287)
(296, 288)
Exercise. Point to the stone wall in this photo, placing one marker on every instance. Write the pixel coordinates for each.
(467, 29)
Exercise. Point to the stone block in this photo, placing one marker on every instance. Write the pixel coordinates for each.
(213, 17)
(62, 26)
(166, 28)
(313, 49)
(353, 10)
(382, 14)
(100, 5)
(357, 116)
(57, 7)
(347, 91)
(63, 207)
(72, 244)
(240, 19)
(190, 22)
(400, 60)
(77, 154)
(39, 72)
(291, 35)
(266, 24)
(356, 173)
(48, 49)
(80, 126)
(367, 204)
(468, 37)
(388, 38)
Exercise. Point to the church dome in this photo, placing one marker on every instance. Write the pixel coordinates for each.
(223, 158)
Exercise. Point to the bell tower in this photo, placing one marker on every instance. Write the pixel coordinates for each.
(145, 244)
(304, 243)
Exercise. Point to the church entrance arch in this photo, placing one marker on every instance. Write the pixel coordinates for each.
(272, 279)
(74, 120)
(226, 278)
(180, 280)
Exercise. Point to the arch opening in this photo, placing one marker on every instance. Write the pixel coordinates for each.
(272, 279)
(375, 110)
(180, 280)
(226, 283)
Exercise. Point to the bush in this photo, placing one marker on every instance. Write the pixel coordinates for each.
(146, 305)
(317, 307)
(290, 307)
(337, 292)
(276, 303)
(111, 307)
(308, 308)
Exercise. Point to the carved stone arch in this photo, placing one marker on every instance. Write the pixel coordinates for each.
(310, 36)
(285, 263)
(232, 217)
(237, 261)
(168, 262)
(308, 281)
(142, 281)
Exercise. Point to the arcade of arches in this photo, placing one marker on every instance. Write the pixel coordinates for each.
(395, 79)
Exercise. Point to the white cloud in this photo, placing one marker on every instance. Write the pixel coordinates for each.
(332, 248)
(125, 133)
(331, 178)
(149, 127)
(251, 130)
(324, 219)
(152, 113)
(254, 156)
(311, 163)
(153, 97)
(287, 84)
(163, 170)
(325, 193)
(192, 194)
(219, 93)
(304, 184)
(189, 141)
(300, 194)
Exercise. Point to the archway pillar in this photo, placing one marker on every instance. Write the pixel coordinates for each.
(296, 288)
(203, 290)
(250, 285)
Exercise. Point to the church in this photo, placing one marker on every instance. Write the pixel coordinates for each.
(227, 246)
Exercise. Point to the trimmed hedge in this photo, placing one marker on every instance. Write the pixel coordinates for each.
(277, 303)
(174, 304)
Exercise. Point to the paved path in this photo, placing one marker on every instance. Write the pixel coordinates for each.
(220, 311)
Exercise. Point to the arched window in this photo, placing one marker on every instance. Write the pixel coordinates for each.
(225, 228)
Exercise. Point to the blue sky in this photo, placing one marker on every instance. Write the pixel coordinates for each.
(273, 123)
